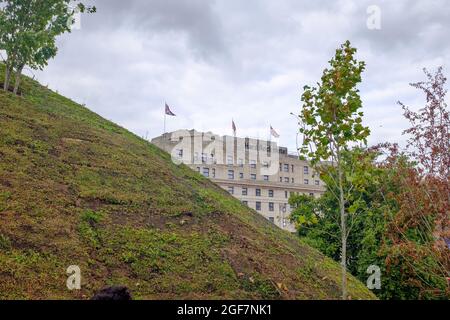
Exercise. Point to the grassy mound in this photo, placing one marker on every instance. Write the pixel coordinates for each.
(76, 189)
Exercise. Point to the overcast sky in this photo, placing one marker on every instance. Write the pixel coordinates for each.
(214, 60)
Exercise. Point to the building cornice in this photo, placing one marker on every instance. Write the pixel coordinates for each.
(269, 184)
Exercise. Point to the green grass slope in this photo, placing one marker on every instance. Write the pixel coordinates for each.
(76, 189)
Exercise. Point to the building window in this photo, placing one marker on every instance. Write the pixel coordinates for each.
(306, 181)
(231, 174)
(266, 178)
(292, 180)
(231, 190)
(240, 162)
(196, 156)
(253, 164)
(281, 167)
(206, 172)
(245, 203)
(292, 167)
(317, 182)
(213, 172)
(244, 191)
(271, 193)
(180, 153)
(286, 167)
(286, 179)
(265, 164)
(305, 170)
(253, 176)
(229, 160)
(258, 206)
(204, 157)
(198, 169)
(271, 206)
(311, 194)
(272, 219)
(281, 179)
(286, 194)
(241, 175)
(258, 192)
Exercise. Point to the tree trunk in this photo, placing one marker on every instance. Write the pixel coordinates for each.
(343, 233)
(344, 245)
(7, 77)
(18, 77)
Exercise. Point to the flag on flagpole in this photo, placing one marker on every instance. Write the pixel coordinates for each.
(169, 112)
(233, 126)
(274, 133)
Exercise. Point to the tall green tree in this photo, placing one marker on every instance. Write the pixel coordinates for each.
(317, 218)
(28, 31)
(331, 122)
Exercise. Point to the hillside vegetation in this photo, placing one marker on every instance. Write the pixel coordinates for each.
(76, 189)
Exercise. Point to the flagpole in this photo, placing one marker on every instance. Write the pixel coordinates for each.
(167, 112)
(164, 134)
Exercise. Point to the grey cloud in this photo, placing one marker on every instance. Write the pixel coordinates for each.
(196, 19)
(419, 27)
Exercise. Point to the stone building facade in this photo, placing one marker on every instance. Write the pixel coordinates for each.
(257, 172)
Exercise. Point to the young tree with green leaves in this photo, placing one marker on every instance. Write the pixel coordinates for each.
(331, 123)
(316, 220)
(28, 31)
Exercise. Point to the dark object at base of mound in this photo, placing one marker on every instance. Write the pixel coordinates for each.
(115, 293)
